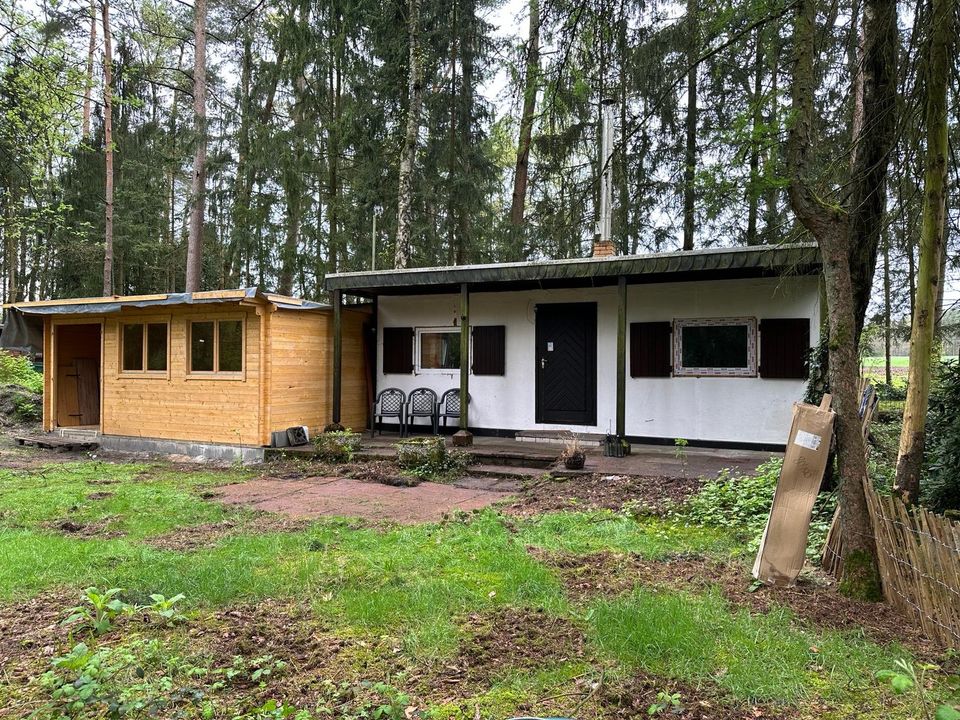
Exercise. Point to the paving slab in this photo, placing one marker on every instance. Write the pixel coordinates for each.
(333, 496)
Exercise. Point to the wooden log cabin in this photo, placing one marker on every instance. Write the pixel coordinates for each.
(227, 367)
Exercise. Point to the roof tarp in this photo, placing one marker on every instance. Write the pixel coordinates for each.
(22, 333)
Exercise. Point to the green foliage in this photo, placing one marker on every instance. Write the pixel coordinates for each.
(428, 458)
(741, 504)
(666, 701)
(905, 679)
(18, 370)
(166, 608)
(337, 446)
(100, 612)
(941, 487)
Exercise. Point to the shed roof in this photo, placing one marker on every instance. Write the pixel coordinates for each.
(112, 304)
(709, 264)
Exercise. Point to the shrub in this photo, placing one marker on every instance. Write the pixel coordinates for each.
(741, 503)
(337, 446)
(428, 459)
(18, 370)
(941, 489)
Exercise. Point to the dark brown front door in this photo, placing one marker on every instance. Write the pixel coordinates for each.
(567, 363)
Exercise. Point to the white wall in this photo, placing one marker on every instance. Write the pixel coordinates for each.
(718, 408)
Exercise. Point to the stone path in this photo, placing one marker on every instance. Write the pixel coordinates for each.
(324, 496)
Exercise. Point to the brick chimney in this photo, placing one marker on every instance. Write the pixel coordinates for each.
(604, 248)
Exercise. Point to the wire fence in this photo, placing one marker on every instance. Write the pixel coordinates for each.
(919, 558)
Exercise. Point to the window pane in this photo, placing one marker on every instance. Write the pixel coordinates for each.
(231, 346)
(201, 347)
(157, 346)
(440, 351)
(133, 347)
(715, 346)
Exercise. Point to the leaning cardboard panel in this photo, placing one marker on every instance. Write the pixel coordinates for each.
(785, 538)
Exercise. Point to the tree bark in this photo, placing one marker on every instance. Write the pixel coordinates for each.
(88, 82)
(829, 224)
(753, 188)
(408, 158)
(690, 152)
(887, 330)
(198, 189)
(108, 150)
(910, 456)
(521, 173)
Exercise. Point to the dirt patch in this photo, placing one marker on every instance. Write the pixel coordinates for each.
(813, 600)
(194, 537)
(603, 492)
(31, 633)
(99, 529)
(99, 495)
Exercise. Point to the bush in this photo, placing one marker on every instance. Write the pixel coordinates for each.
(337, 446)
(428, 459)
(741, 503)
(19, 406)
(941, 489)
(18, 370)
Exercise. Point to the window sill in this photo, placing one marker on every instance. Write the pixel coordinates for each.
(215, 376)
(697, 373)
(144, 375)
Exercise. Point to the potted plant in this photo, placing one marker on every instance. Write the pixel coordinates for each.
(573, 456)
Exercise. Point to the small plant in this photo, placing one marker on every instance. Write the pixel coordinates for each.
(100, 611)
(18, 370)
(428, 458)
(573, 456)
(75, 682)
(256, 671)
(680, 453)
(666, 701)
(337, 446)
(166, 608)
(906, 679)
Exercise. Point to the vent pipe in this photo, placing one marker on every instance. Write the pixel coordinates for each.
(603, 242)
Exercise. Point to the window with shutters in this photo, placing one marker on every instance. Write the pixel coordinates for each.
(489, 350)
(650, 349)
(785, 348)
(438, 349)
(397, 350)
(721, 347)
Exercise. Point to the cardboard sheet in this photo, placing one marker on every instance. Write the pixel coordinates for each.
(784, 542)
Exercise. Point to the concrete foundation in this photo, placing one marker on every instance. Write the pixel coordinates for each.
(196, 450)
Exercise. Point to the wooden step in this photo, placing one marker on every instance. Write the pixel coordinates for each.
(51, 442)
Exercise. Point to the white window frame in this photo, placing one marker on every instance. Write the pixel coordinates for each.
(420, 331)
(750, 370)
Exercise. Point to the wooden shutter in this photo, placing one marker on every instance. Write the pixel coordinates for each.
(397, 350)
(784, 348)
(489, 350)
(650, 349)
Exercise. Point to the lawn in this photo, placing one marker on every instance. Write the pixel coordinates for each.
(574, 613)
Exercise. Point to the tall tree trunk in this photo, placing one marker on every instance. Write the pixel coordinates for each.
(910, 456)
(240, 209)
(829, 224)
(198, 185)
(887, 330)
(521, 173)
(690, 151)
(408, 158)
(753, 188)
(108, 149)
(88, 81)
(469, 22)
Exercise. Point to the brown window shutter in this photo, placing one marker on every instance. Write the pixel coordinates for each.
(650, 349)
(397, 350)
(489, 350)
(784, 348)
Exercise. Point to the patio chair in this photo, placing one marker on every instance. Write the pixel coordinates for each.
(449, 406)
(390, 402)
(422, 402)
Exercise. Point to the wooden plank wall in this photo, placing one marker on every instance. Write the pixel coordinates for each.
(174, 406)
(301, 374)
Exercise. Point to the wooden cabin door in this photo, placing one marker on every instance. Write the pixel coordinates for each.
(78, 375)
(566, 357)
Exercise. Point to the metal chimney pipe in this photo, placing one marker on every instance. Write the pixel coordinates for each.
(605, 216)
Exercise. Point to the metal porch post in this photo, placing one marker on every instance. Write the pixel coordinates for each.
(621, 356)
(463, 436)
(337, 353)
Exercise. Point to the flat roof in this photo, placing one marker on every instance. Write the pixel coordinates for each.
(115, 303)
(682, 266)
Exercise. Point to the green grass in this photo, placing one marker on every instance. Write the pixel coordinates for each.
(879, 361)
(417, 584)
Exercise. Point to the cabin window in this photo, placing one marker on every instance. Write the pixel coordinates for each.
(216, 346)
(724, 347)
(144, 347)
(438, 349)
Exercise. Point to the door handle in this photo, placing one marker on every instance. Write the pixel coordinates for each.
(543, 363)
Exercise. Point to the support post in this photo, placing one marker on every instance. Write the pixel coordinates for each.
(621, 357)
(463, 436)
(337, 353)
